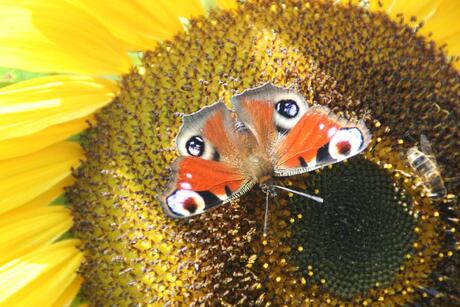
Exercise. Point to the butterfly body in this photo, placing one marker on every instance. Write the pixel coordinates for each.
(259, 167)
(270, 133)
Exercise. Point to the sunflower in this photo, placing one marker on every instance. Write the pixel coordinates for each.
(86, 144)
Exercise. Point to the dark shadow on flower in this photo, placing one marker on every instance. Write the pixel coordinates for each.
(358, 237)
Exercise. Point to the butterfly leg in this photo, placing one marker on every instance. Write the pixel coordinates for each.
(266, 215)
(315, 198)
(269, 190)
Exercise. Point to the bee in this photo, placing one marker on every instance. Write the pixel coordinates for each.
(424, 164)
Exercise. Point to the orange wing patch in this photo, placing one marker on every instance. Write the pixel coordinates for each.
(302, 143)
(221, 136)
(199, 185)
(261, 114)
(206, 175)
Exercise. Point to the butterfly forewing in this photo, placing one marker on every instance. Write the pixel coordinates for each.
(319, 138)
(269, 111)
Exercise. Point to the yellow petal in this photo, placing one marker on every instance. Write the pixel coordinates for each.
(374, 5)
(24, 178)
(445, 26)
(182, 8)
(453, 45)
(69, 294)
(139, 24)
(28, 144)
(45, 198)
(33, 105)
(227, 4)
(41, 277)
(132, 23)
(440, 19)
(56, 36)
(422, 9)
(21, 231)
(409, 8)
(169, 12)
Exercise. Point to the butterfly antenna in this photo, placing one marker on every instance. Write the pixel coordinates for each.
(315, 198)
(266, 215)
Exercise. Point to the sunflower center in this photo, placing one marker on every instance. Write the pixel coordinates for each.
(343, 57)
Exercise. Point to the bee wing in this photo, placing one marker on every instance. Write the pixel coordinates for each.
(425, 146)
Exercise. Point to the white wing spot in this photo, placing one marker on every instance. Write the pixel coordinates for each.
(331, 132)
(188, 175)
(185, 185)
(321, 126)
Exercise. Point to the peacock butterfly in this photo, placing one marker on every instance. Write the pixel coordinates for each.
(271, 132)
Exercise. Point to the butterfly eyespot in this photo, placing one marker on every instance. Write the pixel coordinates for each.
(185, 203)
(195, 146)
(190, 205)
(343, 147)
(345, 142)
(287, 108)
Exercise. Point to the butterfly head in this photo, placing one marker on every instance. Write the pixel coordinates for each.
(268, 188)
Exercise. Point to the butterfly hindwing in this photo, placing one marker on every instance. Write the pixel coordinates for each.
(318, 139)
(199, 185)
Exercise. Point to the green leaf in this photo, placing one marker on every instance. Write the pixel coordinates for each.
(209, 4)
(77, 301)
(136, 57)
(9, 75)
